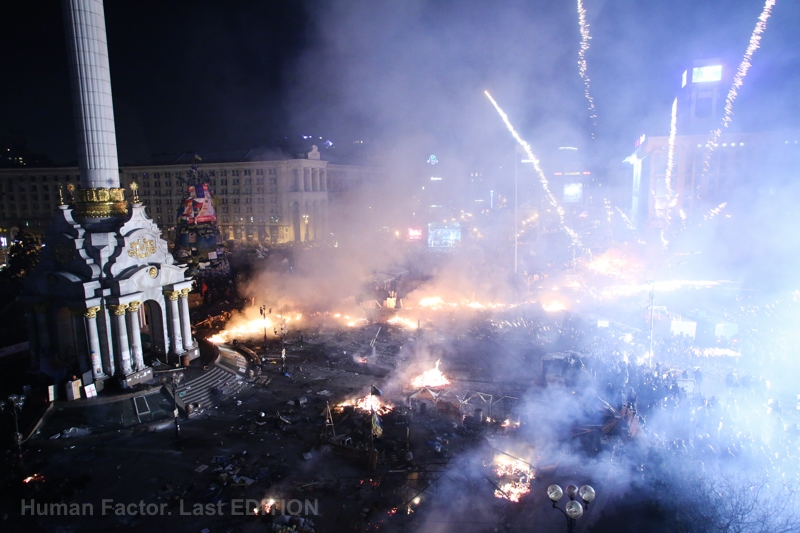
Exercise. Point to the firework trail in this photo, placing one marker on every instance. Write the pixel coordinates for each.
(576, 240)
(714, 212)
(625, 218)
(585, 37)
(668, 175)
(738, 80)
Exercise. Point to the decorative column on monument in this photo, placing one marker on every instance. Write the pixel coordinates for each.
(186, 326)
(121, 334)
(135, 335)
(32, 338)
(42, 329)
(90, 317)
(175, 322)
(100, 195)
(81, 350)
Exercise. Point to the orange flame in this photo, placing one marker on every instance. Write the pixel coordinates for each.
(431, 378)
(367, 404)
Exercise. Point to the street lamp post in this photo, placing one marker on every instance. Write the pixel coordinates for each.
(14, 405)
(653, 294)
(573, 509)
(175, 378)
(264, 310)
(516, 208)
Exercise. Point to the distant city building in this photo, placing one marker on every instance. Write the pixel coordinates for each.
(261, 200)
(742, 165)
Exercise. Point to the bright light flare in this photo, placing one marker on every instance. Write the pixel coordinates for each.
(430, 378)
(554, 307)
(246, 330)
(433, 302)
(610, 264)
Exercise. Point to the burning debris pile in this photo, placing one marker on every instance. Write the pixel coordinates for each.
(514, 478)
(368, 404)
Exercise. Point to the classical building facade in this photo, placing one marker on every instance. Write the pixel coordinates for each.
(266, 201)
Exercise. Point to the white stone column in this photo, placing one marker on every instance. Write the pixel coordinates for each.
(186, 325)
(120, 331)
(42, 329)
(135, 335)
(33, 341)
(174, 322)
(90, 316)
(81, 350)
(85, 29)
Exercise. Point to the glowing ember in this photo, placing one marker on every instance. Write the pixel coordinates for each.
(404, 322)
(431, 301)
(515, 476)
(35, 477)
(716, 352)
(509, 424)
(513, 490)
(554, 307)
(430, 378)
(367, 404)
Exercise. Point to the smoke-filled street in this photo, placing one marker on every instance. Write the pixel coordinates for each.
(426, 266)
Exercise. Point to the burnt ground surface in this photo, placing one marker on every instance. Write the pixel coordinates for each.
(269, 442)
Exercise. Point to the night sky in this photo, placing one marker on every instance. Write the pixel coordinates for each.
(209, 76)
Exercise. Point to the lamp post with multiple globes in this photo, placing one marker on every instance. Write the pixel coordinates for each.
(573, 509)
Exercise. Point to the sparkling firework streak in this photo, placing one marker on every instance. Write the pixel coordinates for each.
(661, 286)
(738, 80)
(714, 212)
(625, 218)
(716, 352)
(585, 37)
(576, 240)
(673, 127)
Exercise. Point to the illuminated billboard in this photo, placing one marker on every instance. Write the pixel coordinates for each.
(443, 237)
(414, 234)
(573, 193)
(705, 74)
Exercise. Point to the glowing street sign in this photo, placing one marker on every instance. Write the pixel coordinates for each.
(432, 160)
(706, 74)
